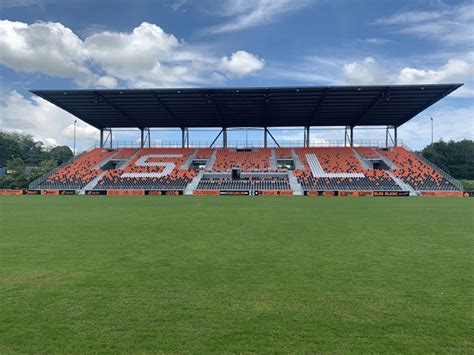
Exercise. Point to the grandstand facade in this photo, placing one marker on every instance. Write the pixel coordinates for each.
(267, 169)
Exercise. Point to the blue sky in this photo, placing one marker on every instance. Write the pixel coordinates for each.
(185, 43)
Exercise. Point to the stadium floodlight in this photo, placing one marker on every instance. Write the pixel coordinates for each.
(431, 118)
(74, 147)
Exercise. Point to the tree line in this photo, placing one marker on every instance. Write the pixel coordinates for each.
(27, 159)
(456, 158)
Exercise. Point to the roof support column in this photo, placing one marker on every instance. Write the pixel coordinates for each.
(396, 135)
(306, 136)
(265, 137)
(273, 138)
(101, 137)
(182, 136)
(352, 136)
(142, 141)
(224, 137)
(347, 137)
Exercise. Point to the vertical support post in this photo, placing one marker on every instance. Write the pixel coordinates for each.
(265, 137)
(111, 145)
(149, 138)
(101, 137)
(345, 136)
(307, 137)
(187, 137)
(142, 141)
(396, 135)
(386, 137)
(224, 137)
(182, 137)
(352, 136)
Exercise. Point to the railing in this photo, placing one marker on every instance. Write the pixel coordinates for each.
(440, 171)
(43, 177)
(435, 168)
(376, 143)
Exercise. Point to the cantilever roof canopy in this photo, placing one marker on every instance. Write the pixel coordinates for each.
(249, 107)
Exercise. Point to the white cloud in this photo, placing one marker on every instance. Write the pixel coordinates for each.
(454, 71)
(48, 48)
(83, 131)
(43, 120)
(374, 40)
(244, 14)
(368, 71)
(5, 4)
(241, 63)
(178, 5)
(314, 70)
(452, 25)
(145, 56)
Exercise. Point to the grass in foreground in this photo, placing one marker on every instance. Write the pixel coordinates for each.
(183, 274)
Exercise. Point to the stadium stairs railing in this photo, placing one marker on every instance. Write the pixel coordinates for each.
(435, 168)
(33, 185)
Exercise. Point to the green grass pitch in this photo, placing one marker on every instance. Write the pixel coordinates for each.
(236, 274)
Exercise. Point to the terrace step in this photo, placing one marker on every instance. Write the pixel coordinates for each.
(404, 186)
(91, 184)
(387, 161)
(294, 184)
(188, 161)
(273, 160)
(210, 162)
(296, 160)
(193, 184)
(123, 163)
(362, 161)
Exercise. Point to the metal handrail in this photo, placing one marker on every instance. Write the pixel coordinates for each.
(435, 168)
(440, 171)
(376, 143)
(43, 177)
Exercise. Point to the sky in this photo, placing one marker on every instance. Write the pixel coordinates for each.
(57, 44)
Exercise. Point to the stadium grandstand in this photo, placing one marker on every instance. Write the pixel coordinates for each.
(269, 167)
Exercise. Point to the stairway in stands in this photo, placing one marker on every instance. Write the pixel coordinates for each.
(188, 161)
(193, 184)
(294, 184)
(273, 160)
(403, 186)
(362, 161)
(93, 183)
(296, 160)
(210, 162)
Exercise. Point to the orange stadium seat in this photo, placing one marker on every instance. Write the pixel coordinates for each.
(415, 172)
(177, 179)
(341, 160)
(203, 153)
(256, 160)
(78, 173)
(366, 152)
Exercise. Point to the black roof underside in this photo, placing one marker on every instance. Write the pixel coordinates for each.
(249, 107)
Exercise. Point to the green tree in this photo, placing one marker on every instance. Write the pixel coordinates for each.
(456, 158)
(9, 147)
(60, 154)
(16, 167)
